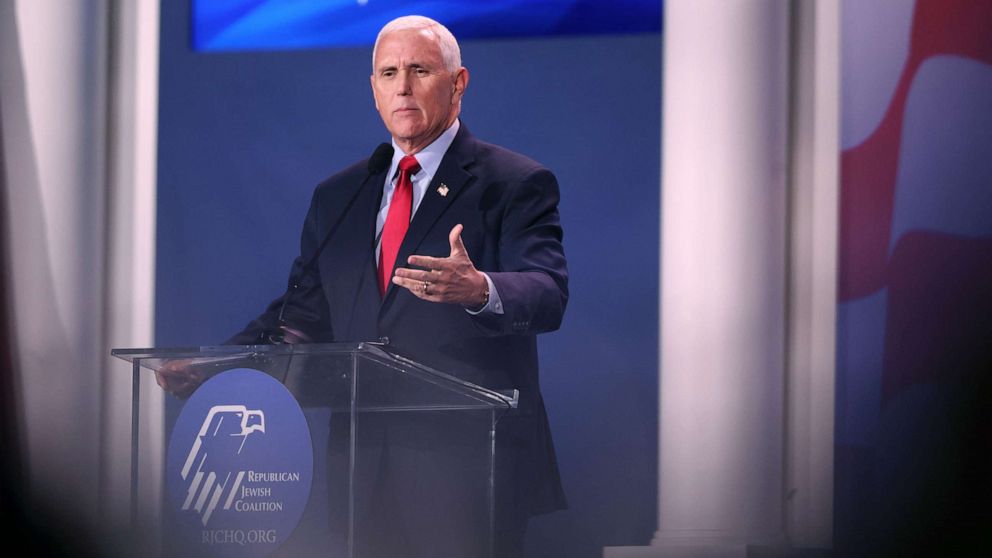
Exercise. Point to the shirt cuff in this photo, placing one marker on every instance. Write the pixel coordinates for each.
(495, 305)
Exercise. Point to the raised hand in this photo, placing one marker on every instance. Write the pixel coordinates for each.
(453, 280)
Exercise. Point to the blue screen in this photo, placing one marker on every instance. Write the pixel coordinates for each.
(231, 25)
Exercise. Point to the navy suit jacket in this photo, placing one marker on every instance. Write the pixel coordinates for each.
(508, 205)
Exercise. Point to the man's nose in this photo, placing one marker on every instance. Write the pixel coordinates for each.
(405, 83)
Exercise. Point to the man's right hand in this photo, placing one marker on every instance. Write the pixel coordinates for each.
(179, 377)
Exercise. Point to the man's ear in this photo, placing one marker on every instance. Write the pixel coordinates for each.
(461, 83)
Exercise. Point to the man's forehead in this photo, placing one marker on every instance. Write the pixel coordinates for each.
(418, 43)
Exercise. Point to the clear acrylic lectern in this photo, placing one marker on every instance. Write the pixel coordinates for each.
(379, 425)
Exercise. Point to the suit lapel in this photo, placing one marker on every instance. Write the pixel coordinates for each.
(454, 178)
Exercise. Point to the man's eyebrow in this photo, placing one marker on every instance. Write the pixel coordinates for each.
(414, 64)
(410, 65)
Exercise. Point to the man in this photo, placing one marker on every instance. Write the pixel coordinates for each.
(453, 253)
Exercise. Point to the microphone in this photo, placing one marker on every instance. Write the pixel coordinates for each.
(380, 159)
(378, 162)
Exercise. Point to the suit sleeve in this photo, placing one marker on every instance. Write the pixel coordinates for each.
(306, 308)
(532, 279)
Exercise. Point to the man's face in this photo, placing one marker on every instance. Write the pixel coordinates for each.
(416, 96)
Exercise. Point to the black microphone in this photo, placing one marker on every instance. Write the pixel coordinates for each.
(378, 162)
(380, 159)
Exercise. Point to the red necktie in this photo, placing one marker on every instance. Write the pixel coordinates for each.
(397, 221)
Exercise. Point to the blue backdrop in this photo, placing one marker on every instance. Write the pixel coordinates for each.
(244, 137)
(280, 24)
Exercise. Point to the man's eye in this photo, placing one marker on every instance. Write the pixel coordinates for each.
(388, 73)
(422, 72)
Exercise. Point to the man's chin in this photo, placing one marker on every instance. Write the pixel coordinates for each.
(407, 131)
(409, 142)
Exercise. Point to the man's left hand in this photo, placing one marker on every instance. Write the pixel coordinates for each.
(453, 279)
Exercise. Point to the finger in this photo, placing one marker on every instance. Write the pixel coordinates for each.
(433, 293)
(415, 274)
(415, 287)
(455, 240)
(428, 262)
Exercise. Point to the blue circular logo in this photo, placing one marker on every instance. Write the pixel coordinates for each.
(239, 466)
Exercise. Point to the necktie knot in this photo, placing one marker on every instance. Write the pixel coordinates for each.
(409, 164)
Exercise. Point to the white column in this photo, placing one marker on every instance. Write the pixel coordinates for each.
(78, 84)
(133, 102)
(723, 291)
(723, 275)
(813, 227)
(749, 258)
(53, 91)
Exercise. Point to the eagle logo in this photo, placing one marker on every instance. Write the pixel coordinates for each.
(212, 461)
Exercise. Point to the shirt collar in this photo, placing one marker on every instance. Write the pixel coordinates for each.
(430, 156)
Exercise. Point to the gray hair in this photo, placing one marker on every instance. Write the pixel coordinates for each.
(450, 53)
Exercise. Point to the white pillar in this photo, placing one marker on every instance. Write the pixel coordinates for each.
(813, 228)
(53, 80)
(749, 267)
(726, 103)
(78, 83)
(724, 270)
(132, 158)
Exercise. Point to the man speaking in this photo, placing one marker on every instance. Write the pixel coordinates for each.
(447, 247)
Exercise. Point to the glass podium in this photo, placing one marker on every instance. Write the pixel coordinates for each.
(400, 456)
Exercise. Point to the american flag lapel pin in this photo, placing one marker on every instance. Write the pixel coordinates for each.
(443, 190)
